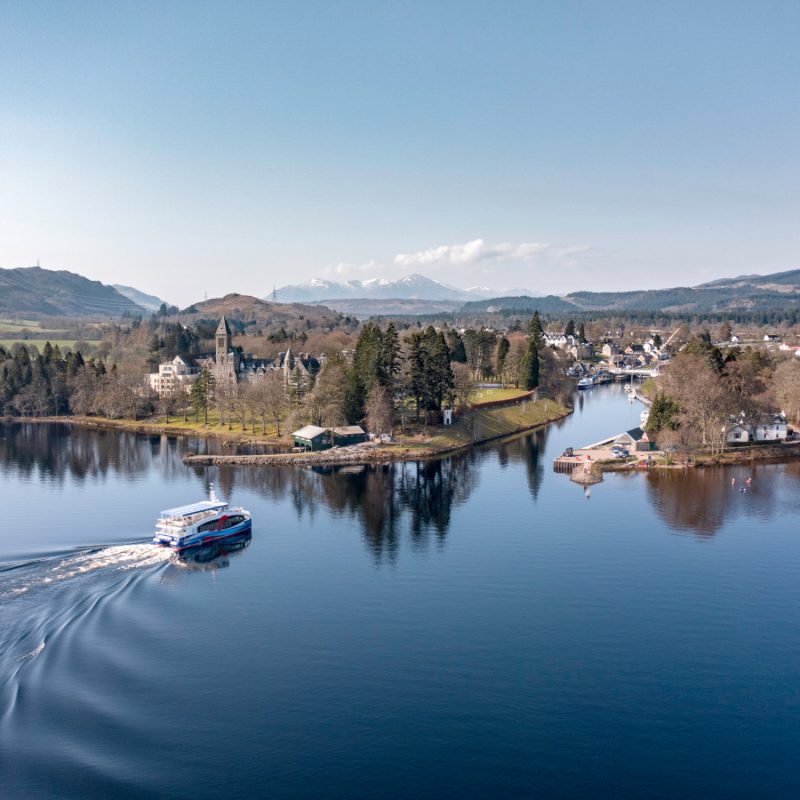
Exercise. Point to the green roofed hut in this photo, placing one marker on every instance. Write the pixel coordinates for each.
(349, 434)
(313, 438)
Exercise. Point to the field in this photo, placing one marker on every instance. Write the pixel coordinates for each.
(496, 422)
(7, 343)
(493, 395)
(15, 326)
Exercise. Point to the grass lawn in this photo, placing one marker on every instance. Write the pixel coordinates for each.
(648, 388)
(496, 422)
(176, 423)
(40, 343)
(493, 395)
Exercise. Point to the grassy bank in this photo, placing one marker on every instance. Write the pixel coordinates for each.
(416, 443)
(473, 427)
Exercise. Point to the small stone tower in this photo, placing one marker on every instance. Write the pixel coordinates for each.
(224, 369)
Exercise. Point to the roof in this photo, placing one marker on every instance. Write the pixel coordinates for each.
(636, 434)
(223, 326)
(349, 430)
(194, 508)
(309, 432)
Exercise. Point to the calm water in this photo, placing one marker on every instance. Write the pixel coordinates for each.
(473, 627)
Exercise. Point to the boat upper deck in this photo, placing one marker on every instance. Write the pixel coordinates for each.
(194, 508)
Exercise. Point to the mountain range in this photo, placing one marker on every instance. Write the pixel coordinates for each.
(57, 293)
(35, 291)
(149, 302)
(747, 293)
(411, 287)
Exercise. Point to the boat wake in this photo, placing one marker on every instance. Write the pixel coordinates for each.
(42, 598)
(22, 578)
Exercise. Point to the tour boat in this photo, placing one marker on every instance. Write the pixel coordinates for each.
(200, 523)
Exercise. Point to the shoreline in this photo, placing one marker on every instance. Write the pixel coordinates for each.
(146, 428)
(359, 454)
(731, 457)
(364, 454)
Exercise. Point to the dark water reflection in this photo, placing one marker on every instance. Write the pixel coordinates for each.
(701, 501)
(472, 627)
(697, 501)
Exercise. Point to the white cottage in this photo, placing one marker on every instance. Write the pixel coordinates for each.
(738, 434)
(771, 429)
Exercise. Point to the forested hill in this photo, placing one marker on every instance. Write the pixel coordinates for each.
(34, 291)
(750, 293)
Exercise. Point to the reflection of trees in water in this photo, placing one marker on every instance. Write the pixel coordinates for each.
(57, 451)
(387, 499)
(526, 450)
(701, 500)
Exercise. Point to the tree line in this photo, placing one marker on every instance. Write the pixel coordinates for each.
(390, 379)
(704, 390)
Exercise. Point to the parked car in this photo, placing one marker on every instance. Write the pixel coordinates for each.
(568, 453)
(619, 452)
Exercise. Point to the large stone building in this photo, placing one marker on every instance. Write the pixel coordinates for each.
(228, 365)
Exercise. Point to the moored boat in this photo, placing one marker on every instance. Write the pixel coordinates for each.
(585, 383)
(201, 523)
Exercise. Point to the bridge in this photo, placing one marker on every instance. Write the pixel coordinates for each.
(640, 372)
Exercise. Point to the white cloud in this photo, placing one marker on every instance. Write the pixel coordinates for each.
(344, 269)
(478, 250)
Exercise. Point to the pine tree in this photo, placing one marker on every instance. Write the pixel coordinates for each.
(456, 346)
(503, 347)
(201, 390)
(529, 368)
(535, 328)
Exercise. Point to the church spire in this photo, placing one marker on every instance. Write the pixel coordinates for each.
(223, 329)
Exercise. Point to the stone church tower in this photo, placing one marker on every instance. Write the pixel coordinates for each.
(225, 361)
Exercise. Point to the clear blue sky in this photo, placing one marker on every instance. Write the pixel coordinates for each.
(210, 147)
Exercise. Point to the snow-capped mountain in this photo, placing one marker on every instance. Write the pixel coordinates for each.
(411, 287)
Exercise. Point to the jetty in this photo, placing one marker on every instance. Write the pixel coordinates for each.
(586, 474)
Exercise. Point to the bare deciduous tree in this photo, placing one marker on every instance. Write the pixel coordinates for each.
(379, 408)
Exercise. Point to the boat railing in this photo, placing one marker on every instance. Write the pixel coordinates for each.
(185, 522)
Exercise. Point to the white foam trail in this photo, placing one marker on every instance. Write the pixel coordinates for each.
(115, 557)
(33, 653)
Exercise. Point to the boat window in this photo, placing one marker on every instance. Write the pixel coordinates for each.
(207, 526)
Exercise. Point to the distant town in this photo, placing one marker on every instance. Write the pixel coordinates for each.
(307, 378)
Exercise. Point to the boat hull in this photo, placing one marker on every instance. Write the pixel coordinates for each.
(199, 539)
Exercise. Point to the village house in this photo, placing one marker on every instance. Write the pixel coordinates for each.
(771, 428)
(738, 434)
(767, 428)
(580, 351)
(172, 377)
(559, 340)
(610, 349)
(635, 439)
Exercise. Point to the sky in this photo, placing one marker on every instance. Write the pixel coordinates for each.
(200, 148)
